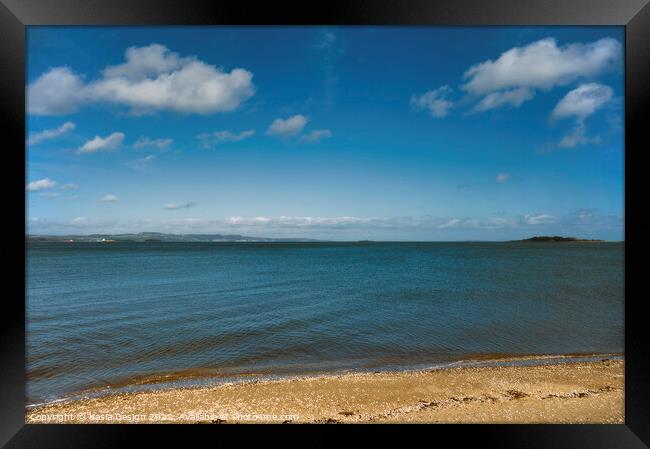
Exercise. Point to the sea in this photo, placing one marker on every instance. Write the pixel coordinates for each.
(107, 317)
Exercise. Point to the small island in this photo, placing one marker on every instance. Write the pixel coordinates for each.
(555, 238)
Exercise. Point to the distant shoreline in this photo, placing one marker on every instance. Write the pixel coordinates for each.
(556, 239)
(109, 238)
(520, 389)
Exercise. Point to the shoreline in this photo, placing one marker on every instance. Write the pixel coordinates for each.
(552, 388)
(204, 378)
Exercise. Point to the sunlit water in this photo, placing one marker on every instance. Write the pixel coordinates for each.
(114, 314)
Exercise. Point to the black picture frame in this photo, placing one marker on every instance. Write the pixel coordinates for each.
(634, 15)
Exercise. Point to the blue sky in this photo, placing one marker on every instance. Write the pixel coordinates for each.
(414, 133)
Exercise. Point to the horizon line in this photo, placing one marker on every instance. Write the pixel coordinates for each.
(312, 239)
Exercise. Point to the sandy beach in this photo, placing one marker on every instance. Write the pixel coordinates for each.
(576, 392)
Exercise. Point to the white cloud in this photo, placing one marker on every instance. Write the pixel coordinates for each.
(195, 88)
(454, 222)
(293, 126)
(57, 92)
(41, 184)
(513, 97)
(174, 206)
(542, 65)
(288, 127)
(593, 218)
(144, 62)
(584, 222)
(576, 137)
(330, 49)
(316, 136)
(145, 142)
(109, 143)
(140, 163)
(503, 177)
(227, 136)
(109, 198)
(538, 219)
(39, 137)
(152, 79)
(208, 140)
(348, 222)
(435, 101)
(582, 101)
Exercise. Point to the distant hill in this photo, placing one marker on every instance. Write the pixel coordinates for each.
(160, 237)
(555, 238)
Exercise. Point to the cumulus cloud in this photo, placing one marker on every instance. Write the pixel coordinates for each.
(109, 198)
(41, 184)
(542, 65)
(503, 177)
(580, 103)
(59, 91)
(145, 142)
(208, 140)
(293, 126)
(152, 79)
(435, 101)
(316, 136)
(108, 143)
(145, 62)
(48, 134)
(513, 97)
(288, 127)
(511, 79)
(195, 88)
(174, 206)
(79, 221)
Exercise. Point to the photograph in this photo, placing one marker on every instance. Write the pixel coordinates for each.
(336, 224)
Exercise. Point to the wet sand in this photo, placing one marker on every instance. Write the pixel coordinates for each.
(577, 392)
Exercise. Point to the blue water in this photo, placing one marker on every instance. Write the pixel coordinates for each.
(109, 315)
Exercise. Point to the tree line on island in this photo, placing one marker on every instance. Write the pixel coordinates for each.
(555, 238)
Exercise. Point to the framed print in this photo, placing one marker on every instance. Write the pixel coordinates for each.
(366, 213)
